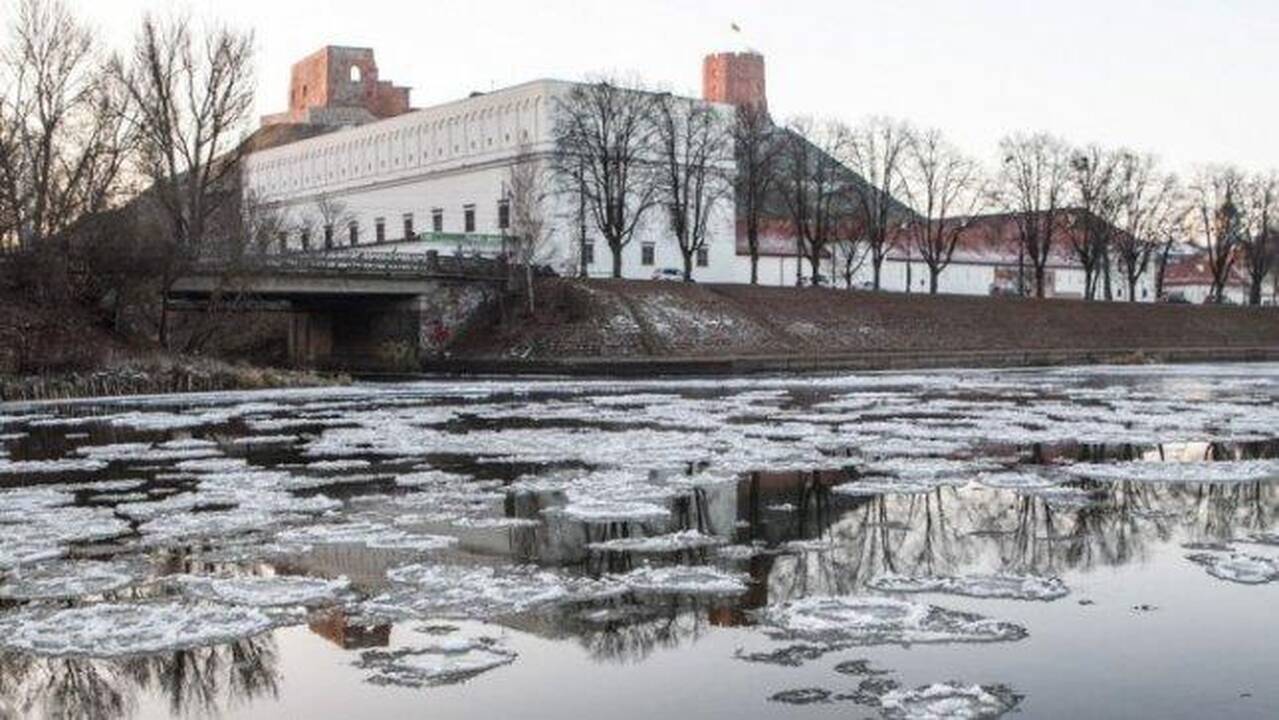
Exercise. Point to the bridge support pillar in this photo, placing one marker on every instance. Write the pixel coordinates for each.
(310, 338)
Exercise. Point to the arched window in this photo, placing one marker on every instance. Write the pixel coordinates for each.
(356, 75)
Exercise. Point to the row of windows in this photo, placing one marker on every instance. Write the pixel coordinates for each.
(364, 153)
(379, 227)
(648, 255)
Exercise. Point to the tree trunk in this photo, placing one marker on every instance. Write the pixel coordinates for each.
(934, 277)
(688, 266)
(617, 260)
(1039, 281)
(1132, 289)
(528, 280)
(1254, 292)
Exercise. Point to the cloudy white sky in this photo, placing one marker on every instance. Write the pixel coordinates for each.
(1192, 80)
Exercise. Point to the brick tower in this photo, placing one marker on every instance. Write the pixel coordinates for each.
(736, 78)
(340, 85)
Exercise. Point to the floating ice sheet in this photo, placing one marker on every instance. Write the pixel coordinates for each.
(368, 534)
(684, 580)
(1225, 471)
(882, 621)
(478, 592)
(69, 579)
(445, 661)
(949, 701)
(1238, 567)
(112, 630)
(1007, 587)
(278, 591)
(674, 542)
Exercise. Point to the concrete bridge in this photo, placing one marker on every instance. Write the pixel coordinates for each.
(367, 311)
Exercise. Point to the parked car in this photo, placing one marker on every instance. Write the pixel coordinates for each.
(669, 275)
(1174, 298)
(818, 280)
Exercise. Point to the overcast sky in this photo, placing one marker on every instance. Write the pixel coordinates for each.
(1192, 80)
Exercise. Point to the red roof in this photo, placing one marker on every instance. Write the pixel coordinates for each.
(1195, 270)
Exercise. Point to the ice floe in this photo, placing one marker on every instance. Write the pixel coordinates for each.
(1008, 587)
(263, 591)
(1225, 471)
(445, 661)
(478, 592)
(114, 630)
(1238, 567)
(369, 534)
(949, 701)
(882, 621)
(69, 579)
(684, 580)
(656, 544)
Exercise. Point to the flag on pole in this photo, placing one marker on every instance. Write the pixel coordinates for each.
(736, 28)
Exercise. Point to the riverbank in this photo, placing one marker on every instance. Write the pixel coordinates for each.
(160, 374)
(632, 328)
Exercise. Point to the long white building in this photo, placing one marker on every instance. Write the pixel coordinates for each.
(392, 179)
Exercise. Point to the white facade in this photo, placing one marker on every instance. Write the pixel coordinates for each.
(445, 170)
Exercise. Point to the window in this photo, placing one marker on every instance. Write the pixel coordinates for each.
(354, 230)
(647, 252)
(437, 220)
(703, 257)
(504, 214)
(282, 239)
(306, 240)
(588, 253)
(408, 226)
(379, 230)
(468, 215)
(328, 237)
(355, 73)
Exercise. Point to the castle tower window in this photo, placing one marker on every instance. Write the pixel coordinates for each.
(356, 75)
(379, 230)
(468, 218)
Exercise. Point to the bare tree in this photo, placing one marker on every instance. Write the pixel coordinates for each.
(945, 188)
(815, 186)
(875, 151)
(1146, 218)
(758, 149)
(695, 148)
(526, 194)
(1032, 188)
(62, 144)
(1261, 233)
(1093, 182)
(190, 98)
(1216, 195)
(604, 152)
(334, 218)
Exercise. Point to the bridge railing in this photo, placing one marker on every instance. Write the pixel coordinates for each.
(364, 264)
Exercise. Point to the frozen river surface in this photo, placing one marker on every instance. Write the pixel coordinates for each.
(1049, 543)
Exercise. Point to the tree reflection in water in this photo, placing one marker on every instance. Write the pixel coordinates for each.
(202, 681)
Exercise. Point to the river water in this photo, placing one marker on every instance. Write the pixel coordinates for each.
(1052, 543)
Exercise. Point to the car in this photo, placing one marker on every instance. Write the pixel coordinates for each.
(1174, 298)
(670, 275)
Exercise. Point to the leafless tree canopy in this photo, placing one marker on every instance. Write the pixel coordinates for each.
(1261, 232)
(815, 186)
(1095, 200)
(1146, 218)
(527, 192)
(694, 146)
(604, 151)
(758, 149)
(1217, 196)
(62, 144)
(945, 187)
(874, 150)
(189, 101)
(1032, 185)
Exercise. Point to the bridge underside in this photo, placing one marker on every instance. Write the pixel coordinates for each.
(384, 328)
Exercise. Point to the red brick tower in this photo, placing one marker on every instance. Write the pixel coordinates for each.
(340, 85)
(736, 78)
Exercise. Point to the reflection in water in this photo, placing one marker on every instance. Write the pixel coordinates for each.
(203, 681)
